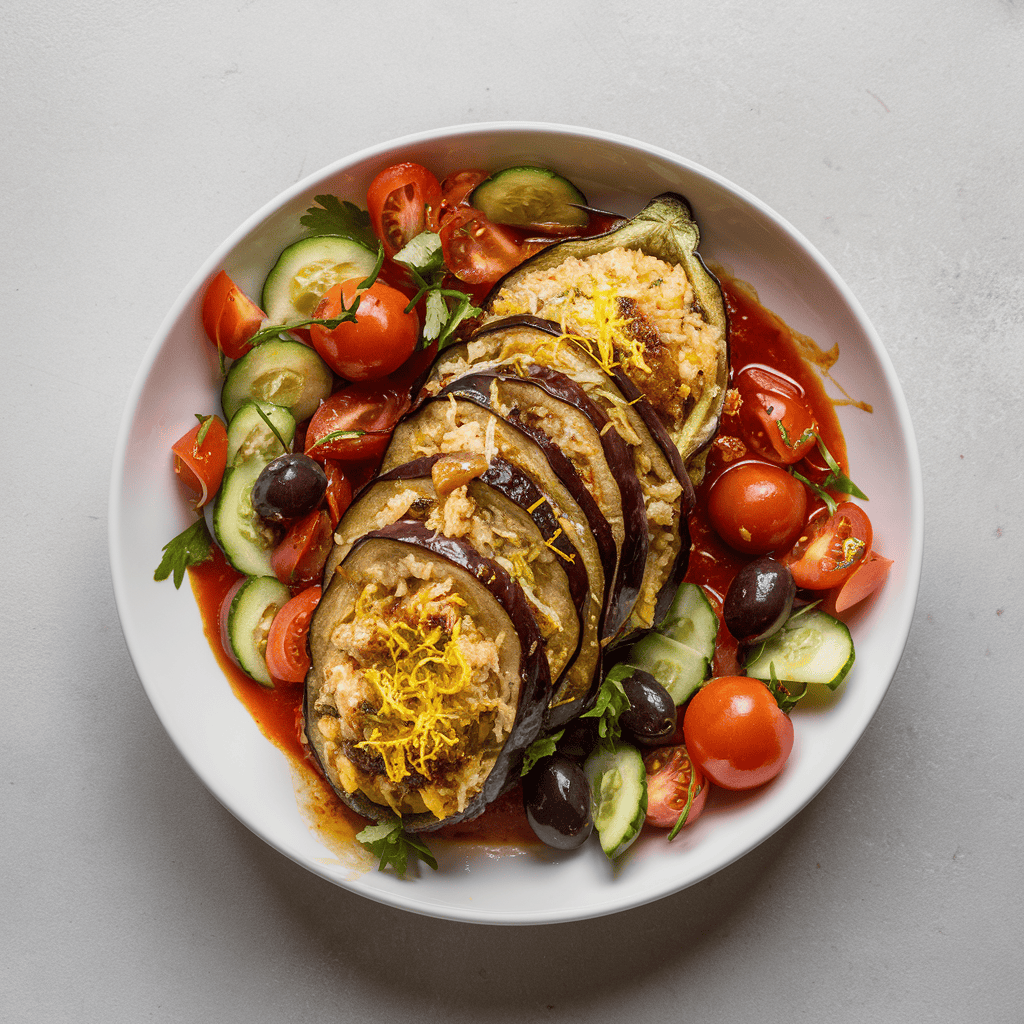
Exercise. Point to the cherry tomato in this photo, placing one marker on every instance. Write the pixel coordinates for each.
(672, 779)
(865, 579)
(287, 656)
(370, 409)
(339, 490)
(476, 250)
(200, 464)
(776, 420)
(403, 200)
(830, 548)
(736, 733)
(456, 187)
(299, 559)
(756, 507)
(377, 342)
(230, 317)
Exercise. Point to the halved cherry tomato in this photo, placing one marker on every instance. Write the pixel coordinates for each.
(299, 559)
(830, 548)
(287, 656)
(672, 780)
(369, 411)
(339, 490)
(736, 733)
(456, 187)
(230, 317)
(776, 420)
(757, 507)
(377, 342)
(200, 464)
(403, 200)
(476, 250)
(860, 584)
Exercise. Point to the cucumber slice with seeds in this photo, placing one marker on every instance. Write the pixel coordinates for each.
(812, 647)
(678, 667)
(692, 620)
(244, 538)
(252, 611)
(618, 796)
(249, 437)
(285, 373)
(307, 269)
(521, 196)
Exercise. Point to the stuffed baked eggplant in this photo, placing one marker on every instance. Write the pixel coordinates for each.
(641, 301)
(429, 678)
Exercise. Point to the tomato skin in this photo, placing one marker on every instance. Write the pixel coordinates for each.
(403, 200)
(670, 776)
(298, 561)
(230, 317)
(736, 733)
(757, 507)
(200, 467)
(287, 656)
(777, 423)
(476, 250)
(830, 548)
(371, 408)
(339, 491)
(373, 345)
(456, 187)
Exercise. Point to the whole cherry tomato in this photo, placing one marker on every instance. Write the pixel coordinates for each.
(736, 733)
(757, 507)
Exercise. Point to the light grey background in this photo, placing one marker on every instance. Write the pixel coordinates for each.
(137, 137)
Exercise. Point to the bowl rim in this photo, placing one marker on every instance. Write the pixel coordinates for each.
(913, 556)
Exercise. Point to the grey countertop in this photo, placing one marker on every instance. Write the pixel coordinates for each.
(136, 137)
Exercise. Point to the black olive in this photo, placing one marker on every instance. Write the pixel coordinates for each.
(651, 715)
(759, 600)
(290, 487)
(556, 796)
(578, 738)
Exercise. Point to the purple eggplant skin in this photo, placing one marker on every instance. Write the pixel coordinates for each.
(535, 681)
(632, 558)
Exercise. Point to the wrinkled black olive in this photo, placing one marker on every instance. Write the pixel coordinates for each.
(289, 488)
(556, 796)
(651, 715)
(759, 600)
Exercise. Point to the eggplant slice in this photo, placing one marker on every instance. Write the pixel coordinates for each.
(503, 515)
(428, 678)
(548, 402)
(641, 300)
(667, 489)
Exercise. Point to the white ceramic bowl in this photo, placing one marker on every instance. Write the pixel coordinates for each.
(215, 733)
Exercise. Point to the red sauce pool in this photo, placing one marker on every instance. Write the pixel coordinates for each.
(756, 335)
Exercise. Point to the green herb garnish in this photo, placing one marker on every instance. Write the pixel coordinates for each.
(610, 704)
(393, 845)
(336, 217)
(540, 748)
(191, 547)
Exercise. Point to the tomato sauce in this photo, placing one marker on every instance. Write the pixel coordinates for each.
(756, 336)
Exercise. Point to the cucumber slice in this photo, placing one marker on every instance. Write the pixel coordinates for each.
(521, 196)
(692, 620)
(252, 610)
(678, 667)
(307, 269)
(285, 373)
(243, 537)
(249, 437)
(618, 796)
(811, 647)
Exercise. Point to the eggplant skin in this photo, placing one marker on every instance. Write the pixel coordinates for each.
(533, 677)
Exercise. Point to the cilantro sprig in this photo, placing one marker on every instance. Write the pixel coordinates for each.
(394, 846)
(446, 308)
(191, 547)
(337, 217)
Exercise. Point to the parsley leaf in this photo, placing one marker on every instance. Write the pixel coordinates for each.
(610, 704)
(393, 845)
(190, 547)
(540, 748)
(335, 217)
(446, 307)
